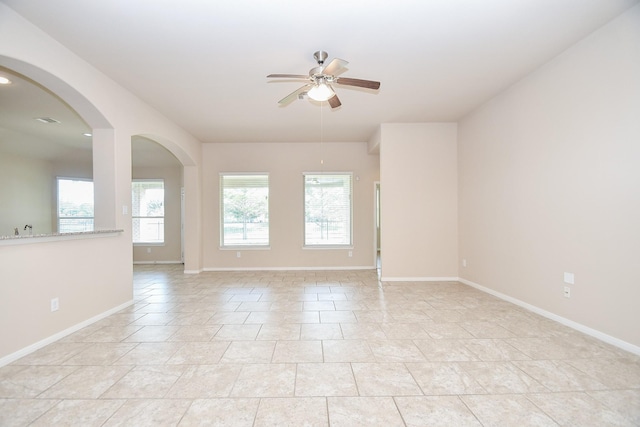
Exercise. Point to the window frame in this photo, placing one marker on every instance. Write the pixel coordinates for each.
(58, 217)
(253, 245)
(163, 216)
(306, 245)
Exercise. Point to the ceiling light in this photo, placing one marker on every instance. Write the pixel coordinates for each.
(4, 81)
(87, 134)
(321, 92)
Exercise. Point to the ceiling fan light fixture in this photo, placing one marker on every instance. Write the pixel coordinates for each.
(319, 82)
(320, 92)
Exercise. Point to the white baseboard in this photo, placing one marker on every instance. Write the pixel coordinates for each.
(292, 268)
(418, 279)
(53, 338)
(562, 320)
(192, 271)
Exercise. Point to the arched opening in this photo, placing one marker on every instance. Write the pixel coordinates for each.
(45, 145)
(191, 253)
(157, 205)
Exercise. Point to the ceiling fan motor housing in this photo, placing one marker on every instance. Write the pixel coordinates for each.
(320, 56)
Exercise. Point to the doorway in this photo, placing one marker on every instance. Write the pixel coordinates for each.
(157, 200)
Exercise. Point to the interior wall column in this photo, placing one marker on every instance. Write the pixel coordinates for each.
(104, 179)
(192, 220)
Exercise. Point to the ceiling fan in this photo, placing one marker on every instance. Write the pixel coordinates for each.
(321, 78)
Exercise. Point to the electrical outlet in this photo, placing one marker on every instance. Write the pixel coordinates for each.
(350, 254)
(238, 254)
(55, 304)
(567, 292)
(464, 262)
(148, 250)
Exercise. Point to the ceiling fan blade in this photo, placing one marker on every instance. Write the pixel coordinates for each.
(334, 102)
(369, 84)
(293, 95)
(335, 66)
(288, 76)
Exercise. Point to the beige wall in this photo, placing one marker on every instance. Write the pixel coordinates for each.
(169, 251)
(285, 163)
(26, 194)
(72, 271)
(418, 193)
(549, 183)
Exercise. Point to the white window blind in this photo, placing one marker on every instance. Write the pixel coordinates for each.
(147, 210)
(244, 209)
(75, 205)
(327, 209)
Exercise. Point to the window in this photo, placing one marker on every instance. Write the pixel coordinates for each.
(147, 211)
(75, 205)
(327, 209)
(244, 209)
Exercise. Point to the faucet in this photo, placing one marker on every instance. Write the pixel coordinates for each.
(15, 231)
(29, 226)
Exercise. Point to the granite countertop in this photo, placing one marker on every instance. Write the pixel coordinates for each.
(77, 233)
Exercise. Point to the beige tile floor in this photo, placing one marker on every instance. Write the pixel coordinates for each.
(319, 348)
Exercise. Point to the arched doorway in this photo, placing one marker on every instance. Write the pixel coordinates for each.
(157, 203)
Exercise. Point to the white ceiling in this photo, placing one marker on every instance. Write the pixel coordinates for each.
(203, 63)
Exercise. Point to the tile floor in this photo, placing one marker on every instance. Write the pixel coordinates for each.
(319, 348)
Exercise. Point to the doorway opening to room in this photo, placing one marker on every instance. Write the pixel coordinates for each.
(157, 203)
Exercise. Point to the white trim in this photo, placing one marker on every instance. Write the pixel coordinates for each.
(376, 213)
(327, 247)
(291, 268)
(221, 245)
(305, 245)
(245, 248)
(329, 173)
(220, 174)
(562, 320)
(419, 279)
(156, 262)
(55, 337)
(193, 271)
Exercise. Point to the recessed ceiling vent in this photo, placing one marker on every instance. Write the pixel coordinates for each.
(47, 120)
